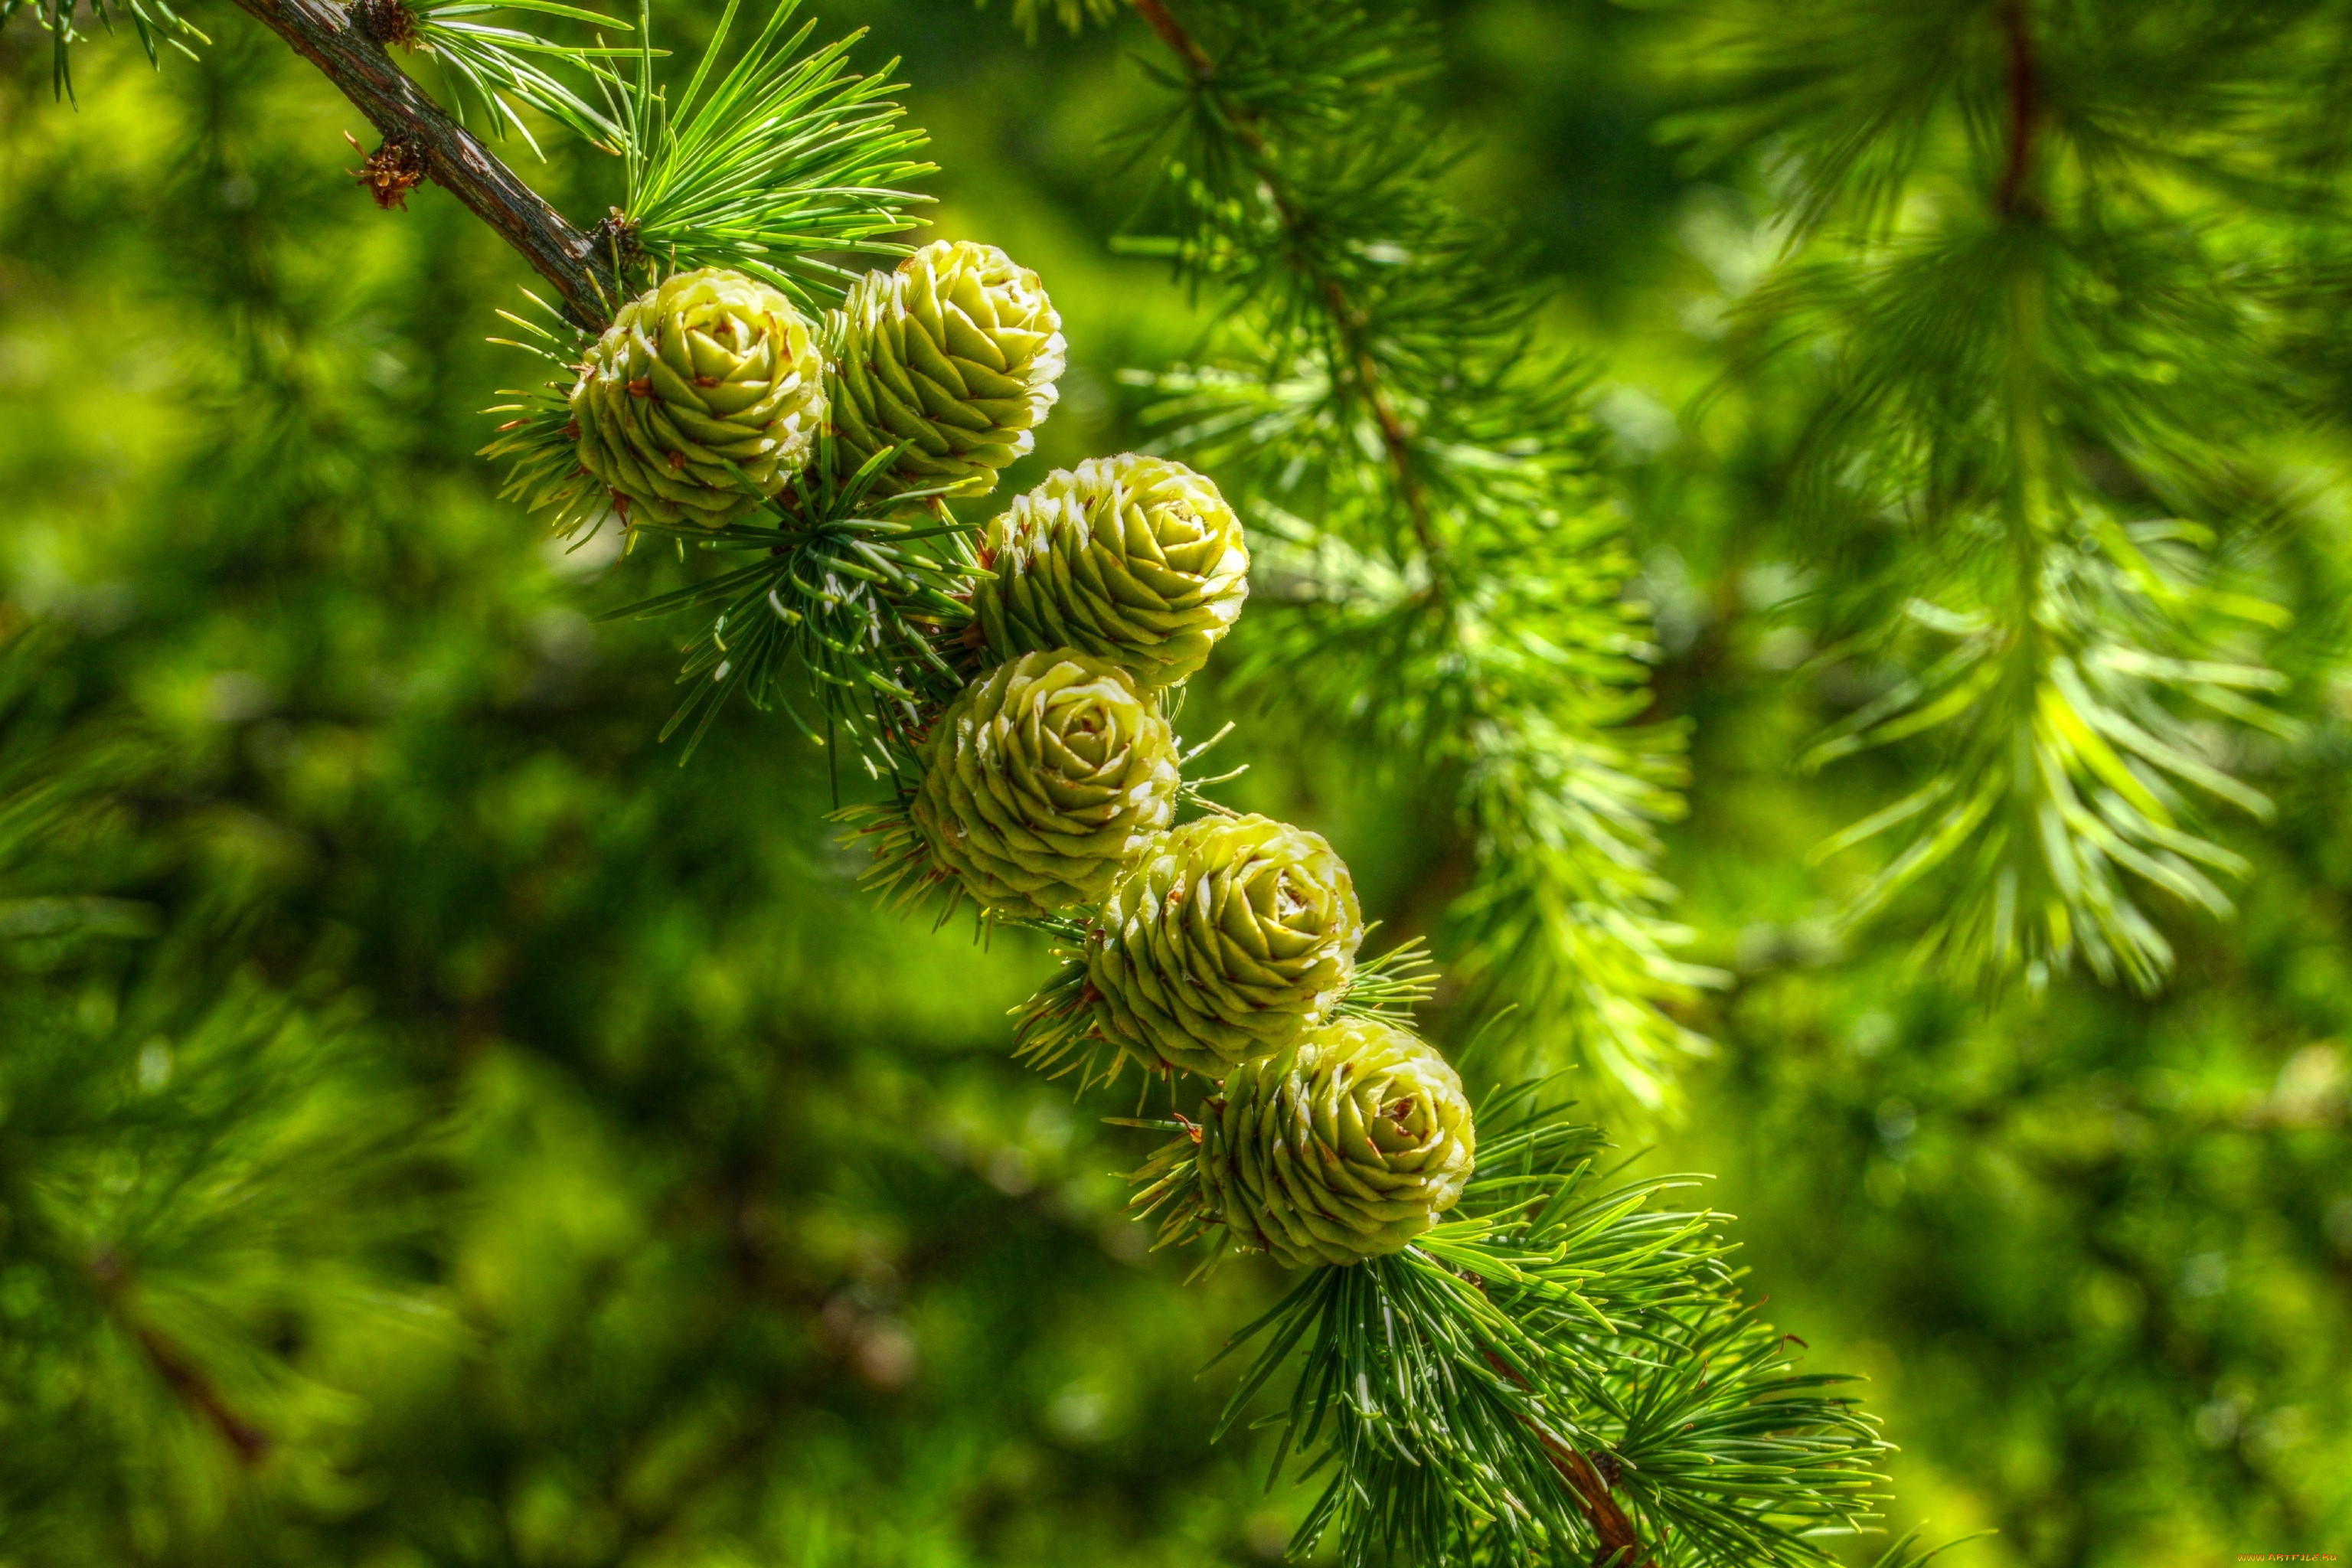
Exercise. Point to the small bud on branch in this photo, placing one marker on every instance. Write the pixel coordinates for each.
(391, 172)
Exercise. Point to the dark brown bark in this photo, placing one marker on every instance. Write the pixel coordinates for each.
(1172, 33)
(1621, 1543)
(2015, 199)
(109, 1271)
(331, 37)
(250, 1442)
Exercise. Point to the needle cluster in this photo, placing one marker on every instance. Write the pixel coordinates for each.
(2030, 309)
(1448, 576)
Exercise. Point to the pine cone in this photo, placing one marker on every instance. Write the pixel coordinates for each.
(1345, 1146)
(956, 351)
(707, 369)
(1226, 941)
(1133, 559)
(1043, 780)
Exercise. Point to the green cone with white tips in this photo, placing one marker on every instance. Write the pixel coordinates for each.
(1135, 558)
(1042, 781)
(956, 352)
(710, 368)
(1228, 938)
(1341, 1147)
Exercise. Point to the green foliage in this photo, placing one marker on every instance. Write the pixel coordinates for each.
(742, 1243)
(493, 71)
(2035, 250)
(195, 1169)
(1448, 580)
(852, 606)
(1559, 1325)
(611, 1184)
(1073, 15)
(2099, 1238)
(154, 21)
(775, 167)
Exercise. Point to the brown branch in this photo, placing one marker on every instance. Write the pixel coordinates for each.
(251, 1443)
(1621, 1543)
(109, 1271)
(1355, 340)
(2024, 107)
(1173, 34)
(334, 38)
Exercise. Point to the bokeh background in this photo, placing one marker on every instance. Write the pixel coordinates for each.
(694, 1214)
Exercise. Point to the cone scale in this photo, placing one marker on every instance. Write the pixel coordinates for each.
(1135, 558)
(1040, 782)
(704, 396)
(1227, 939)
(956, 355)
(1342, 1147)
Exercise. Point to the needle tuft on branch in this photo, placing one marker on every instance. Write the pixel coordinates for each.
(389, 21)
(391, 172)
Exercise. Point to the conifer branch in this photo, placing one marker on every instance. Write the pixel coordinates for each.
(1422, 488)
(1621, 1543)
(109, 1273)
(251, 1444)
(1560, 1370)
(1171, 32)
(2023, 107)
(1349, 323)
(340, 42)
(2002, 388)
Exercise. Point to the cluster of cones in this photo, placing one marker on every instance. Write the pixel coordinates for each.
(1048, 787)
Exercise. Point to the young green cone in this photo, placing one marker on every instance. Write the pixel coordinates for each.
(1227, 940)
(956, 352)
(1342, 1147)
(710, 368)
(1134, 559)
(1040, 781)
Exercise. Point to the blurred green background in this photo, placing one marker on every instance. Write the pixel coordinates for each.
(697, 1216)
